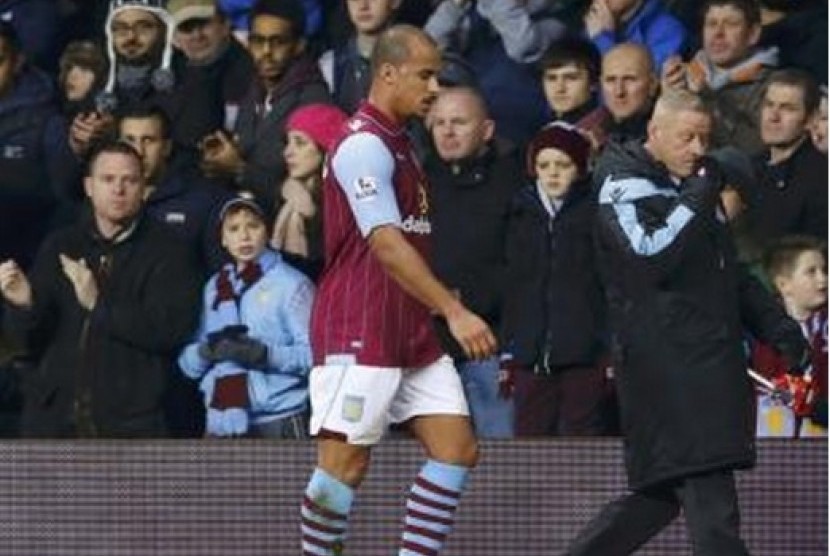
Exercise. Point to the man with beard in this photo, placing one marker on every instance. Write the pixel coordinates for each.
(287, 77)
(139, 49)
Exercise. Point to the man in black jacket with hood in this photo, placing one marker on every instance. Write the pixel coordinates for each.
(678, 304)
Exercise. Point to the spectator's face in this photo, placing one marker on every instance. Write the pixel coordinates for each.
(136, 34)
(146, 136)
(627, 83)
(679, 140)
(303, 158)
(415, 80)
(273, 46)
(727, 35)
(818, 126)
(200, 39)
(78, 82)
(244, 235)
(371, 16)
(460, 128)
(115, 188)
(784, 118)
(9, 64)
(555, 172)
(806, 287)
(567, 87)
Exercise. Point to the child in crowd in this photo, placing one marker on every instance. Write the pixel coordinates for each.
(252, 352)
(298, 232)
(553, 329)
(797, 268)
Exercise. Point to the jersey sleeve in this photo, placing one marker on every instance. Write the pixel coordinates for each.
(363, 168)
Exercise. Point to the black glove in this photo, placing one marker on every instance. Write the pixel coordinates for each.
(701, 191)
(244, 350)
(231, 331)
(207, 349)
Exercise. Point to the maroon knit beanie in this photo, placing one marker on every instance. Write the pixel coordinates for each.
(561, 136)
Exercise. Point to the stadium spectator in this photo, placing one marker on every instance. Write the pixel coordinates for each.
(346, 67)
(109, 302)
(818, 126)
(796, 266)
(554, 312)
(570, 80)
(213, 72)
(298, 228)
(629, 87)
(138, 41)
(185, 202)
(287, 77)
(678, 302)
(609, 23)
(730, 72)
(472, 178)
(502, 40)
(251, 354)
(82, 75)
(38, 170)
(791, 193)
(376, 356)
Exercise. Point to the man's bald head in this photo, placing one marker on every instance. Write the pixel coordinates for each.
(396, 44)
(628, 80)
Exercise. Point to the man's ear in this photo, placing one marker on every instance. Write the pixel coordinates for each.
(488, 129)
(88, 186)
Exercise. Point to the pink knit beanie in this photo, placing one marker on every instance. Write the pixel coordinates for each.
(321, 122)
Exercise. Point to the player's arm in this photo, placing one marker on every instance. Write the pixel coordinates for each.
(408, 268)
(364, 169)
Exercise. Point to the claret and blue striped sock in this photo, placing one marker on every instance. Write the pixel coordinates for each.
(430, 508)
(325, 513)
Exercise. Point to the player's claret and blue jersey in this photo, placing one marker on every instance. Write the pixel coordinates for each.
(361, 315)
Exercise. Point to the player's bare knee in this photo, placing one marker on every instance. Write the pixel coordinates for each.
(465, 454)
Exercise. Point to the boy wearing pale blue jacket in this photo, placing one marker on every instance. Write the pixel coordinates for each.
(252, 353)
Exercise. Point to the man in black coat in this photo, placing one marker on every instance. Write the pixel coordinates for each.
(791, 195)
(109, 303)
(472, 179)
(678, 304)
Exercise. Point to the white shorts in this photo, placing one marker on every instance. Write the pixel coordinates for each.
(359, 402)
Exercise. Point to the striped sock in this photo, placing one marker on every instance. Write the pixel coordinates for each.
(325, 512)
(430, 508)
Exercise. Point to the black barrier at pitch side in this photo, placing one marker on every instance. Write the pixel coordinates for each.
(241, 498)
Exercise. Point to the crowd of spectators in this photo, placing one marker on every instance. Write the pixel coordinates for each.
(229, 106)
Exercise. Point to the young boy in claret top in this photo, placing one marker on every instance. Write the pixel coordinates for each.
(797, 268)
